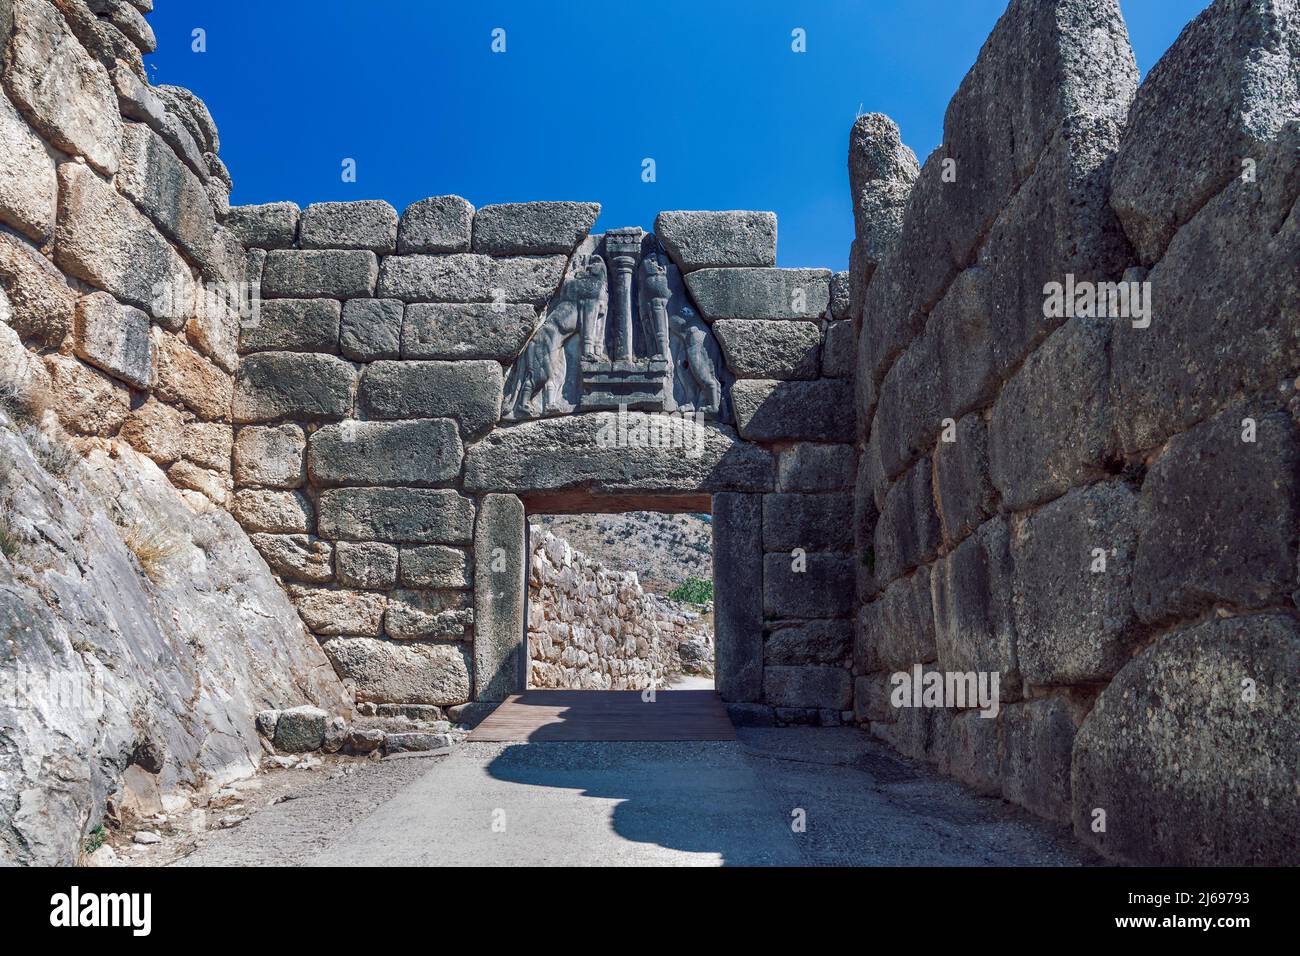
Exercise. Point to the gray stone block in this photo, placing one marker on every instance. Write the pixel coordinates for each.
(274, 512)
(974, 625)
(1190, 769)
(365, 224)
(300, 729)
(737, 577)
(296, 557)
(897, 629)
(115, 338)
(1076, 624)
(760, 293)
(435, 566)
(700, 240)
(500, 582)
(469, 392)
(807, 466)
(168, 192)
(963, 489)
(306, 387)
(418, 452)
(840, 350)
(271, 225)
(757, 348)
(823, 588)
(293, 325)
(271, 456)
(467, 330)
(366, 564)
(29, 184)
(821, 687)
(974, 752)
(1037, 742)
(387, 671)
(907, 532)
(810, 522)
(533, 228)
(428, 615)
(1218, 517)
(313, 273)
(371, 329)
(871, 699)
(809, 642)
(329, 611)
(841, 306)
(468, 277)
(398, 515)
(41, 303)
(436, 224)
(751, 715)
(768, 410)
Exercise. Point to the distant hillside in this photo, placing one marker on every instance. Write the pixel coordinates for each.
(663, 549)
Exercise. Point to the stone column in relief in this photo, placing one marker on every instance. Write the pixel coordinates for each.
(737, 596)
(623, 247)
(500, 577)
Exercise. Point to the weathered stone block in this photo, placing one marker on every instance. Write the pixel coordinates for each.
(897, 629)
(104, 240)
(28, 182)
(409, 673)
(436, 224)
(272, 225)
(438, 615)
(810, 522)
(469, 277)
(313, 273)
(840, 350)
(466, 330)
(907, 532)
(533, 228)
(64, 93)
(208, 444)
(293, 325)
(1174, 739)
(469, 392)
(306, 387)
(769, 410)
(365, 224)
(757, 348)
(271, 456)
(86, 401)
(300, 729)
(700, 240)
(1038, 738)
(275, 512)
(371, 329)
(420, 452)
(186, 377)
(41, 303)
(737, 577)
(1072, 588)
(155, 430)
(806, 466)
(216, 486)
(327, 611)
(871, 699)
(841, 304)
(974, 752)
(434, 566)
(366, 564)
(167, 191)
(809, 585)
(296, 557)
(809, 642)
(761, 293)
(974, 625)
(403, 515)
(1196, 545)
(823, 687)
(500, 573)
(115, 339)
(962, 486)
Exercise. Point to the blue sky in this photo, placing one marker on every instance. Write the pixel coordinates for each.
(584, 92)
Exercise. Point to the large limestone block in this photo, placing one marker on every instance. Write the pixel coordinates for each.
(827, 688)
(1037, 741)
(366, 224)
(1218, 517)
(29, 184)
(897, 629)
(1216, 99)
(367, 564)
(1072, 590)
(807, 585)
(809, 642)
(402, 515)
(907, 532)
(86, 401)
(274, 512)
(810, 466)
(419, 452)
(438, 615)
(839, 351)
(974, 755)
(329, 611)
(974, 626)
(1191, 749)
(273, 385)
(471, 277)
(499, 589)
(533, 228)
(811, 522)
(469, 392)
(587, 452)
(41, 303)
(435, 566)
(271, 456)
(296, 557)
(168, 192)
(391, 672)
(61, 90)
(293, 325)
(115, 339)
(313, 273)
(705, 240)
(962, 487)
(769, 410)
(103, 239)
(466, 330)
(156, 430)
(186, 377)
(881, 173)
(436, 224)
(759, 348)
(737, 578)
(272, 225)
(760, 293)
(371, 329)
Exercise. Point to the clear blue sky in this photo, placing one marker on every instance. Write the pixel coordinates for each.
(585, 91)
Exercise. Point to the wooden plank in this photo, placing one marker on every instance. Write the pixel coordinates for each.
(559, 715)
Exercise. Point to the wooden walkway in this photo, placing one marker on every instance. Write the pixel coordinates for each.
(549, 715)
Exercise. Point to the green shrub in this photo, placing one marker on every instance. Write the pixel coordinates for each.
(694, 591)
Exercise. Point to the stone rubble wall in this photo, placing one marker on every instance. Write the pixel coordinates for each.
(1069, 502)
(594, 628)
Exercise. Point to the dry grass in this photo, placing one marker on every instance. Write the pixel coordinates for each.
(153, 548)
(25, 402)
(9, 542)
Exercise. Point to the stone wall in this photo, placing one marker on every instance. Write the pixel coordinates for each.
(593, 628)
(1103, 510)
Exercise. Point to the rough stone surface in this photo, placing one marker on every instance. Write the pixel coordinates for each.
(276, 512)
(760, 293)
(737, 577)
(962, 487)
(270, 456)
(828, 687)
(467, 330)
(89, 402)
(185, 376)
(274, 385)
(759, 348)
(312, 273)
(367, 564)
(293, 325)
(533, 228)
(272, 225)
(499, 581)
(435, 566)
(824, 586)
(907, 533)
(40, 302)
(809, 642)
(701, 240)
(402, 672)
(897, 629)
(371, 329)
(469, 392)
(974, 626)
(405, 515)
(299, 729)
(807, 466)
(469, 277)
(365, 224)
(768, 410)
(296, 557)
(28, 182)
(436, 224)
(168, 192)
(327, 611)
(1038, 738)
(420, 452)
(115, 339)
(811, 522)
